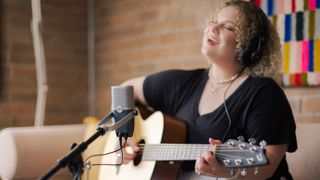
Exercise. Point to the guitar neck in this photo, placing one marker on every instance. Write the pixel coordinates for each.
(174, 152)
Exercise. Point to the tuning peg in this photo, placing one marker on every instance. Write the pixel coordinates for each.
(244, 172)
(250, 161)
(238, 162)
(263, 144)
(256, 170)
(241, 138)
(252, 141)
(226, 162)
(231, 144)
(253, 149)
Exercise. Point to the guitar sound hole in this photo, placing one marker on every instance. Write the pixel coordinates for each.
(137, 160)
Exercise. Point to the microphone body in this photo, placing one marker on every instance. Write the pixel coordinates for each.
(122, 105)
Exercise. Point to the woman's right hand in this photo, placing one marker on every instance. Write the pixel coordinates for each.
(130, 150)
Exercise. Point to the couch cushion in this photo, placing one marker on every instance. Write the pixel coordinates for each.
(29, 152)
(305, 162)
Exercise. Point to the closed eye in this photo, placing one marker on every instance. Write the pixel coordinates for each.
(229, 28)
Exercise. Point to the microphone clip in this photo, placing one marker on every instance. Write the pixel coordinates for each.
(102, 124)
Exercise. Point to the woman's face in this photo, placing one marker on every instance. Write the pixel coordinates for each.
(219, 39)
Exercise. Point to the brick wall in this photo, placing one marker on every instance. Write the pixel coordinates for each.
(139, 37)
(133, 38)
(64, 36)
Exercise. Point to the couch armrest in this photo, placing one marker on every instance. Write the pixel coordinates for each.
(305, 162)
(29, 152)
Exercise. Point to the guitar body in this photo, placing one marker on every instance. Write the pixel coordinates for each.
(155, 129)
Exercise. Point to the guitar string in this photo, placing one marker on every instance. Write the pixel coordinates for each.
(173, 151)
(179, 145)
(219, 156)
(218, 148)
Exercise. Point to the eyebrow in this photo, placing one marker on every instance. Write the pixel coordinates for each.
(231, 22)
(226, 21)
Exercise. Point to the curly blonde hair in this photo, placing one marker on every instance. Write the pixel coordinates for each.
(251, 25)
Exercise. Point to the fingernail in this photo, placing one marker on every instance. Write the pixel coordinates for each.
(129, 150)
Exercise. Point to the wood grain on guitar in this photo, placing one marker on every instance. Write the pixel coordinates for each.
(160, 139)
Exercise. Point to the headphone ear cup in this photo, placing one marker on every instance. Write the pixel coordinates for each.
(251, 52)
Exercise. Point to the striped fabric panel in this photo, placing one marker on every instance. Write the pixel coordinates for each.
(286, 79)
(312, 4)
(293, 58)
(293, 27)
(280, 7)
(298, 50)
(317, 55)
(317, 24)
(311, 24)
(305, 5)
(310, 64)
(305, 56)
(304, 79)
(280, 26)
(299, 5)
(274, 20)
(317, 78)
(306, 25)
(287, 6)
(264, 6)
(270, 7)
(299, 26)
(257, 3)
(286, 57)
(298, 79)
(287, 22)
(293, 5)
(311, 79)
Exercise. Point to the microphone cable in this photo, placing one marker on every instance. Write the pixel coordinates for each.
(88, 165)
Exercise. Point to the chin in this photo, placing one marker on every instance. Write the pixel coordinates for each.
(205, 51)
(207, 54)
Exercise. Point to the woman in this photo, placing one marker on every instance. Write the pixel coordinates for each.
(237, 95)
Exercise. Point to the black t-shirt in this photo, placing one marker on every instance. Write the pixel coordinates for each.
(258, 109)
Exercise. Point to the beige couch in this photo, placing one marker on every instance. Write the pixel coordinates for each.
(28, 152)
(304, 164)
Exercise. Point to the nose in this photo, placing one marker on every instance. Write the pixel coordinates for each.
(214, 28)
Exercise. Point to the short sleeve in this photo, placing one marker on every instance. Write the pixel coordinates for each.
(160, 90)
(270, 117)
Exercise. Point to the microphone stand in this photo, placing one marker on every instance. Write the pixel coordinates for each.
(74, 159)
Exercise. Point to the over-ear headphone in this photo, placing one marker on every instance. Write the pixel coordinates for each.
(252, 50)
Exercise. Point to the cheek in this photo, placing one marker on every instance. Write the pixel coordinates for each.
(231, 42)
(205, 32)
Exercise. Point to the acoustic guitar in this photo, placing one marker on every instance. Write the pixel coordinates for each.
(161, 139)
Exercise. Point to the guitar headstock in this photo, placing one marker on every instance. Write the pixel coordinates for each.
(239, 154)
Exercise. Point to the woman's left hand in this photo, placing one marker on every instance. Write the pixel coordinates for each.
(208, 165)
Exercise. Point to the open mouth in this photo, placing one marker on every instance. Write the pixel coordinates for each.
(211, 41)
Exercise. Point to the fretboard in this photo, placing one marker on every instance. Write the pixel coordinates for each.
(174, 152)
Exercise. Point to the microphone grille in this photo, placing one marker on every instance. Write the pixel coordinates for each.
(122, 98)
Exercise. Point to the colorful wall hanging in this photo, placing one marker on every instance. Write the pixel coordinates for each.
(298, 24)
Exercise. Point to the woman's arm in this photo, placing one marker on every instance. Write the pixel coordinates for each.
(137, 84)
(131, 148)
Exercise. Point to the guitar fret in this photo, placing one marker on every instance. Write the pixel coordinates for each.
(168, 152)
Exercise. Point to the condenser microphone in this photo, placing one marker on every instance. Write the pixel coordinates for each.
(123, 105)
